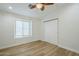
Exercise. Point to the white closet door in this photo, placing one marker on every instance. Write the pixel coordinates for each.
(50, 28)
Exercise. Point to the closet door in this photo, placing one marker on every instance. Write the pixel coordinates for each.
(50, 31)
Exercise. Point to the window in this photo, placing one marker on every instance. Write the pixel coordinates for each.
(23, 29)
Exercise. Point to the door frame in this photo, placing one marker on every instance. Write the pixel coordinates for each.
(57, 28)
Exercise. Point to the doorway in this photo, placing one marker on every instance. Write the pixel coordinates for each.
(51, 31)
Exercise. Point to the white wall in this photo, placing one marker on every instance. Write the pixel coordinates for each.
(7, 30)
(68, 26)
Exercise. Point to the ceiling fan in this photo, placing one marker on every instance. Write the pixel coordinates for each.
(40, 6)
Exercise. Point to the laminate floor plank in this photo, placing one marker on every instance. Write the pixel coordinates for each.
(37, 48)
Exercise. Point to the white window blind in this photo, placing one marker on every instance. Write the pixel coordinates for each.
(23, 29)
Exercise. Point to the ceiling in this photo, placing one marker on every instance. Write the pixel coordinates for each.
(23, 9)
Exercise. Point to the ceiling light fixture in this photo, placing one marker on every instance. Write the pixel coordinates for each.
(40, 6)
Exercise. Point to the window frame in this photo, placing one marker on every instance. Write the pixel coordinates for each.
(30, 29)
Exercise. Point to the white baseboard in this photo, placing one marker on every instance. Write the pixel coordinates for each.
(68, 48)
(50, 42)
(12, 45)
(63, 47)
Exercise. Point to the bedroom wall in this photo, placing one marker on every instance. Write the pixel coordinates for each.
(68, 27)
(7, 30)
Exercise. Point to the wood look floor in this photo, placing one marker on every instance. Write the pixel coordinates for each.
(36, 48)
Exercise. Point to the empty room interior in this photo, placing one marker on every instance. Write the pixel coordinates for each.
(39, 29)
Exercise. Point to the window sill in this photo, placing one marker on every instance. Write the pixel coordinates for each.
(23, 37)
